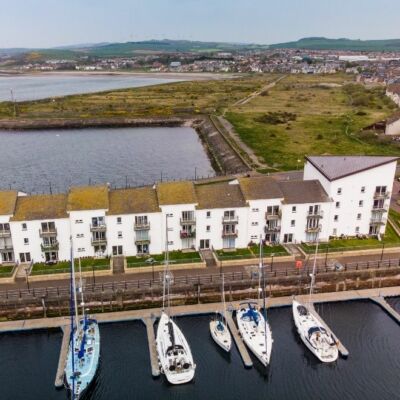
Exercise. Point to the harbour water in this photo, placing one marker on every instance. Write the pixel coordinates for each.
(371, 372)
(40, 86)
(32, 161)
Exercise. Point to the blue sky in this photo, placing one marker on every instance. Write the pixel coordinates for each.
(45, 23)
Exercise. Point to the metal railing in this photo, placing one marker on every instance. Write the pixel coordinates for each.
(187, 234)
(98, 227)
(226, 234)
(141, 226)
(48, 232)
(313, 229)
(230, 219)
(315, 214)
(188, 221)
(5, 233)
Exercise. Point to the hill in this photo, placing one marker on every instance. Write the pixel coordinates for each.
(321, 43)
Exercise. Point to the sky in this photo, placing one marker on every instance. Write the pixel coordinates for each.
(48, 23)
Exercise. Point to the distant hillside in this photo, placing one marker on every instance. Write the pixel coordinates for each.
(321, 43)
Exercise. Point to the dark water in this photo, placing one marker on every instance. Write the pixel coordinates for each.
(31, 161)
(371, 372)
(33, 87)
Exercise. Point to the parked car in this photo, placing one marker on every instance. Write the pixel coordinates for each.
(335, 265)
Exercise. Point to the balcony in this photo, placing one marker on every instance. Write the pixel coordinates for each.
(379, 209)
(141, 226)
(6, 246)
(144, 240)
(381, 195)
(230, 220)
(313, 229)
(47, 232)
(99, 241)
(188, 221)
(188, 234)
(233, 234)
(273, 215)
(98, 227)
(315, 214)
(272, 229)
(49, 246)
(378, 221)
(5, 233)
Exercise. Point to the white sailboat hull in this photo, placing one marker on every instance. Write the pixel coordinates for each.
(257, 336)
(313, 334)
(221, 335)
(174, 354)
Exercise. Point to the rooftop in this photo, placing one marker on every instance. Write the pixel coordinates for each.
(301, 192)
(8, 199)
(260, 187)
(40, 207)
(176, 193)
(82, 198)
(336, 167)
(133, 201)
(219, 195)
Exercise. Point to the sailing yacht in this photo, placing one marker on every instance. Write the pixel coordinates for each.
(253, 325)
(312, 332)
(174, 354)
(84, 348)
(218, 329)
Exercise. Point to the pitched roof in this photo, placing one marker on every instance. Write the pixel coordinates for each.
(8, 199)
(260, 187)
(393, 118)
(39, 207)
(300, 192)
(133, 201)
(82, 198)
(182, 192)
(394, 88)
(336, 167)
(219, 195)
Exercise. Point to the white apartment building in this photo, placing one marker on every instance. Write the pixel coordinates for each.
(339, 195)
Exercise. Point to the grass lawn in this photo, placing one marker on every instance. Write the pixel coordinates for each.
(306, 114)
(175, 257)
(87, 264)
(237, 254)
(390, 240)
(6, 271)
(395, 217)
(277, 250)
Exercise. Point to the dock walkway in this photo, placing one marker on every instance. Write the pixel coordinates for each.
(155, 369)
(59, 381)
(387, 307)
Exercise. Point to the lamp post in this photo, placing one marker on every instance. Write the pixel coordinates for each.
(272, 260)
(326, 255)
(94, 278)
(383, 249)
(27, 279)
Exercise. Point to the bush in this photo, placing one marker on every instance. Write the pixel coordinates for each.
(275, 118)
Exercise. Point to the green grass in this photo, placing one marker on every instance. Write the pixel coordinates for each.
(395, 217)
(238, 254)
(87, 264)
(6, 271)
(175, 257)
(277, 250)
(389, 240)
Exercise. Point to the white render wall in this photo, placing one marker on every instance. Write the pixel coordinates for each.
(393, 128)
(4, 219)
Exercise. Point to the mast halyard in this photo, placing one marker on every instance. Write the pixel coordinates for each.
(72, 309)
(81, 290)
(313, 271)
(74, 288)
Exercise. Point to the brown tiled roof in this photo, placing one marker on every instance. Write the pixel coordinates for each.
(260, 187)
(8, 199)
(393, 118)
(300, 192)
(176, 193)
(88, 198)
(133, 201)
(219, 195)
(336, 167)
(40, 207)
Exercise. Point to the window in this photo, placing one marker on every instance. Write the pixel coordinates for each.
(170, 243)
(24, 227)
(81, 249)
(229, 215)
(187, 215)
(339, 191)
(48, 227)
(141, 220)
(80, 235)
(293, 209)
(255, 209)
(98, 221)
(273, 210)
(208, 228)
(336, 218)
(253, 237)
(119, 235)
(78, 221)
(338, 204)
(334, 232)
(357, 229)
(360, 203)
(4, 227)
(380, 189)
(26, 241)
(254, 224)
(25, 257)
(119, 220)
(362, 189)
(208, 214)
(358, 216)
(292, 222)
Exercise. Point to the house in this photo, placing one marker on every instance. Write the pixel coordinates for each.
(393, 91)
(392, 127)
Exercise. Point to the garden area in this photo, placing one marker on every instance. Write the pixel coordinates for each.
(87, 264)
(6, 271)
(251, 252)
(175, 257)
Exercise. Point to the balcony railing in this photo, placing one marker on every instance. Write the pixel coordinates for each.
(233, 234)
(313, 229)
(188, 234)
(230, 220)
(47, 232)
(141, 226)
(381, 195)
(5, 233)
(380, 209)
(145, 240)
(188, 221)
(99, 241)
(98, 227)
(378, 221)
(50, 246)
(273, 215)
(6, 246)
(271, 229)
(315, 214)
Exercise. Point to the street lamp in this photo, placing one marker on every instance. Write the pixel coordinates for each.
(94, 278)
(27, 279)
(272, 260)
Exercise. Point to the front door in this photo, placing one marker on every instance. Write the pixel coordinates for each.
(288, 238)
(117, 251)
(204, 243)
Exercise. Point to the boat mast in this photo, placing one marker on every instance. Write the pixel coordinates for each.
(74, 289)
(262, 268)
(81, 290)
(166, 271)
(72, 308)
(259, 271)
(223, 298)
(313, 271)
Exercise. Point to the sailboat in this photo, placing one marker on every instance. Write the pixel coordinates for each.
(253, 325)
(174, 354)
(312, 332)
(218, 329)
(84, 348)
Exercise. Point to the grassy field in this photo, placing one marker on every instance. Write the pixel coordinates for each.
(310, 114)
(87, 264)
(6, 271)
(175, 257)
